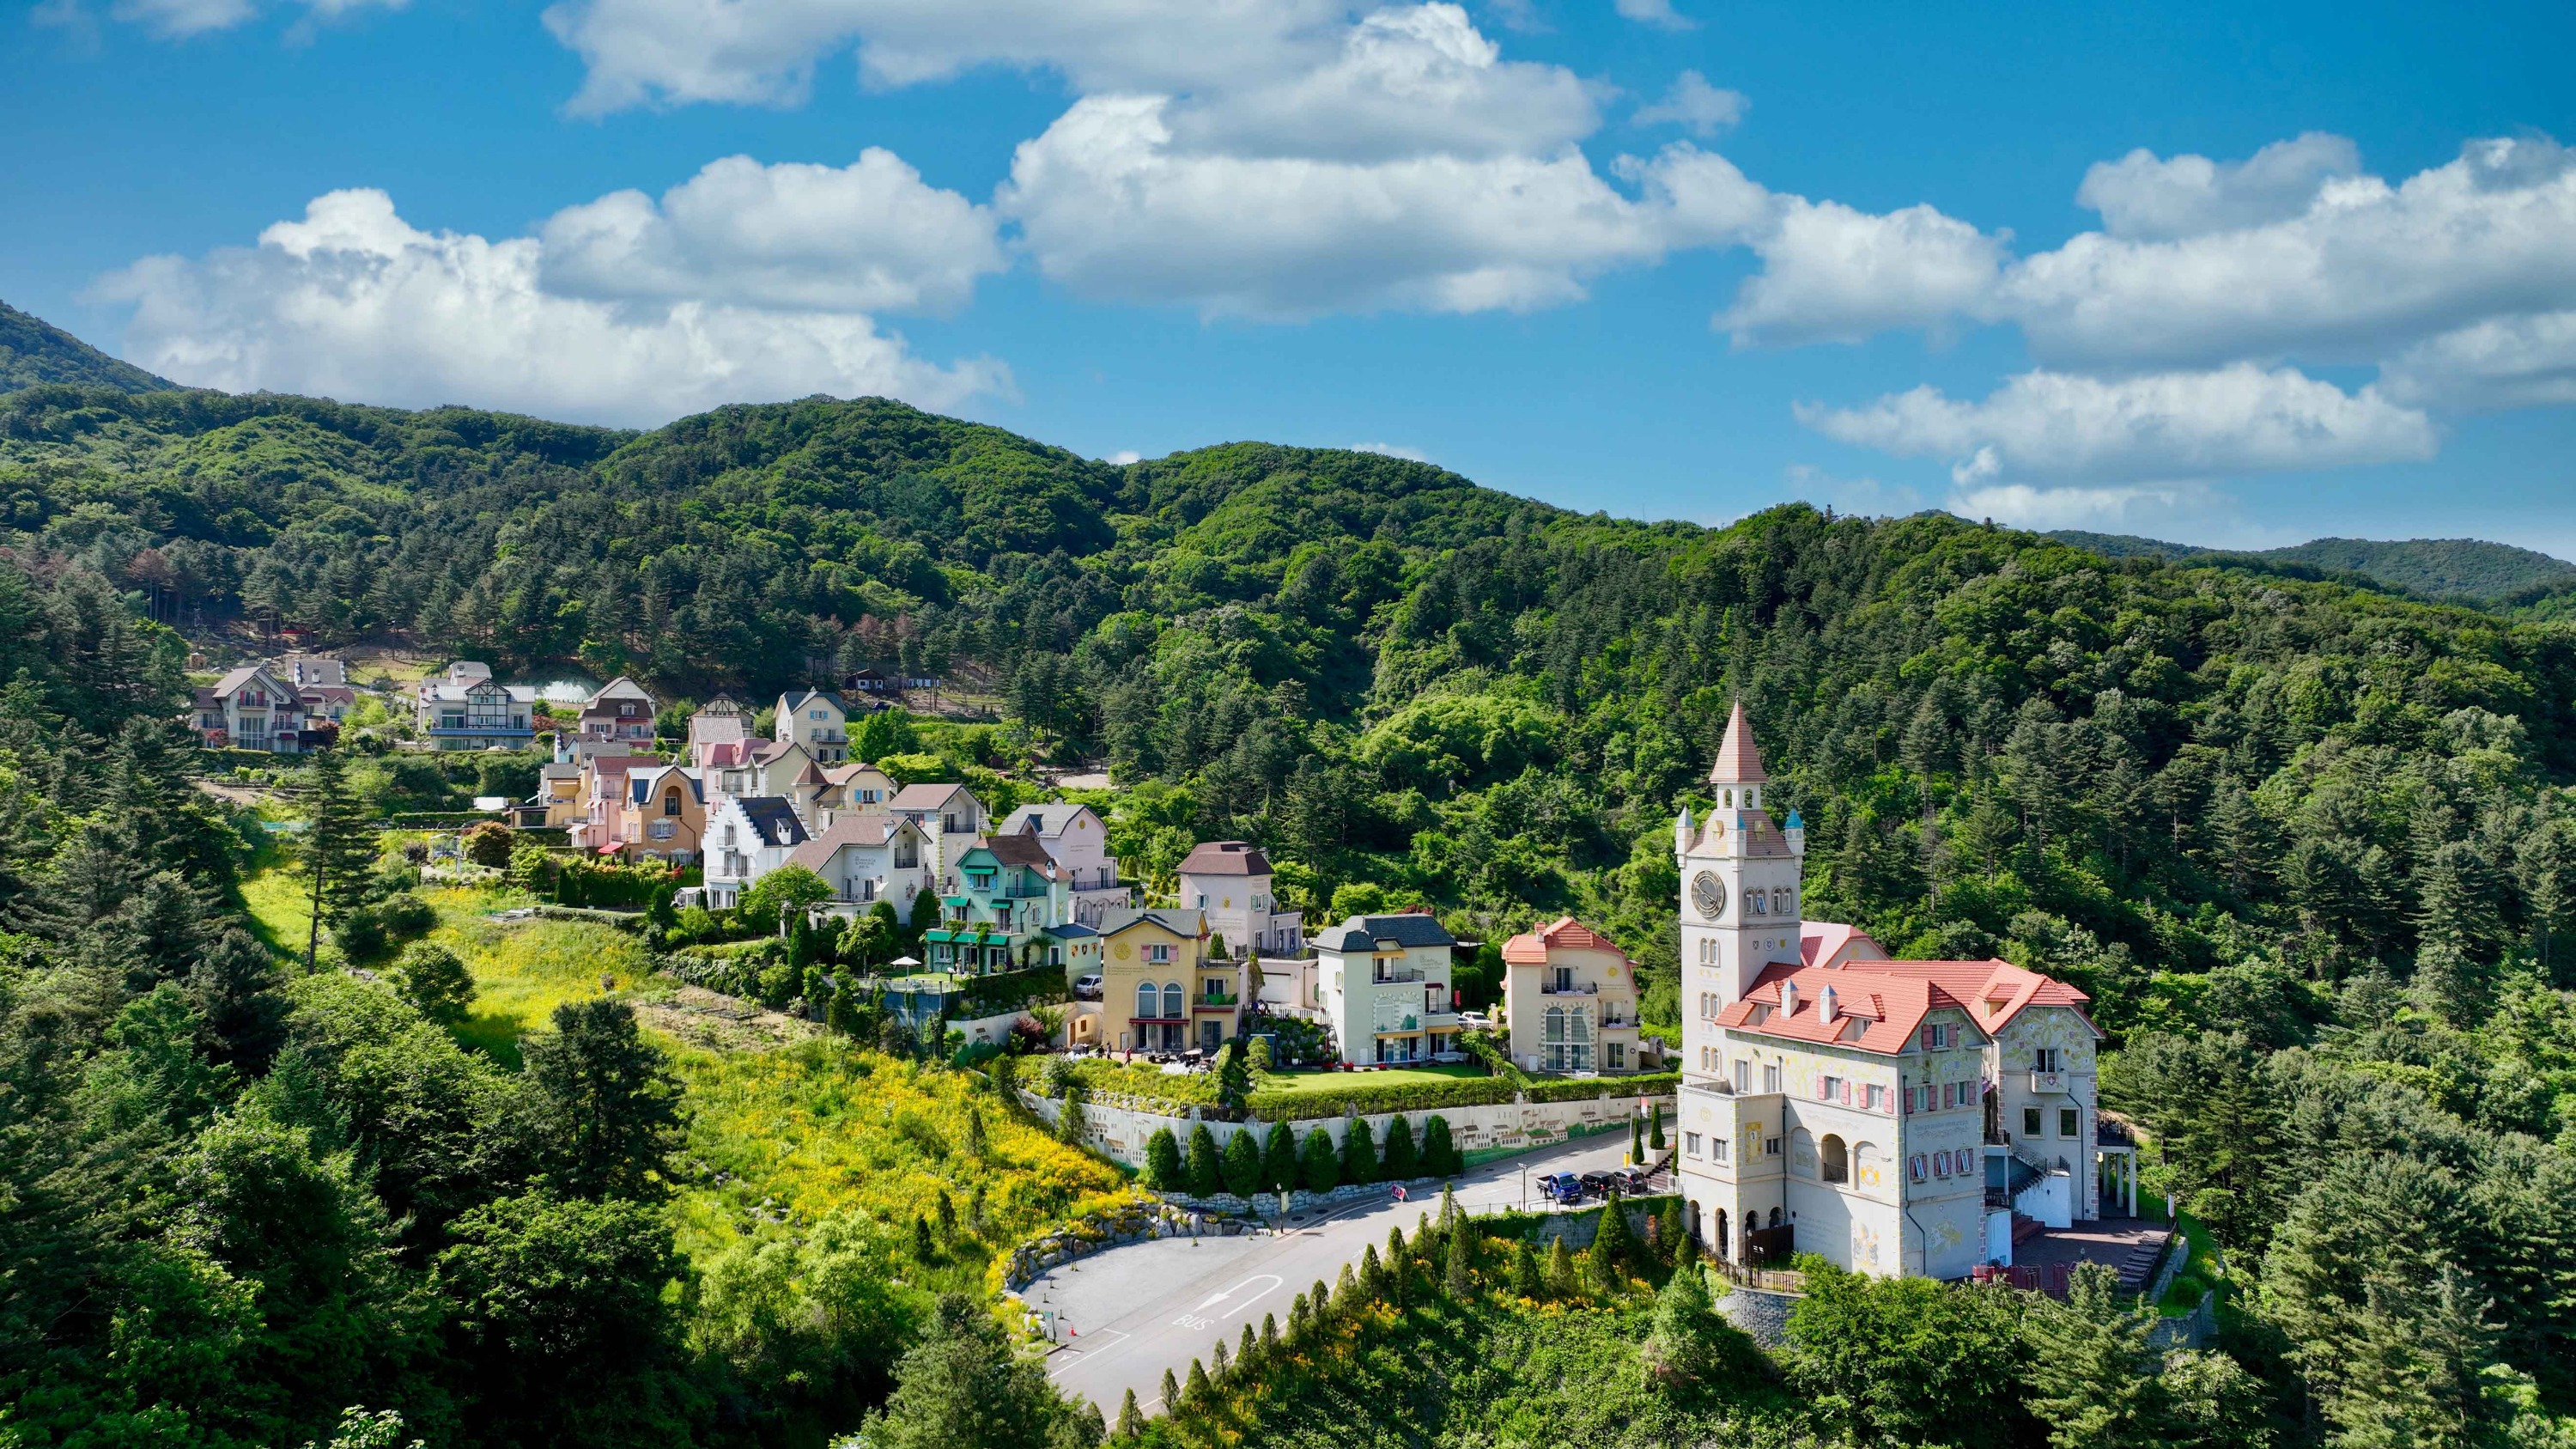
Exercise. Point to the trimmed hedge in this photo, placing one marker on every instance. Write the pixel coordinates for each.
(1008, 991)
(1364, 1096)
(1646, 1084)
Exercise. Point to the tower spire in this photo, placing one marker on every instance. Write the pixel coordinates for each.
(1739, 760)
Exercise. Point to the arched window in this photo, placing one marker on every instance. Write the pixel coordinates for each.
(671, 801)
(1555, 1024)
(1780, 902)
(1837, 1160)
(1148, 1000)
(1172, 1006)
(1757, 902)
(1775, 1217)
(1720, 1234)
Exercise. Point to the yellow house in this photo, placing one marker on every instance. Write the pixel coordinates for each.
(1159, 989)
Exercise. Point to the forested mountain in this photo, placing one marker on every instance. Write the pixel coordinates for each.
(2468, 570)
(2308, 845)
(34, 351)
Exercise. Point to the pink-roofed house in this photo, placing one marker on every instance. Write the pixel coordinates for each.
(1894, 1117)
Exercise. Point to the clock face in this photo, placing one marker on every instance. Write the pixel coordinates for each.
(1709, 894)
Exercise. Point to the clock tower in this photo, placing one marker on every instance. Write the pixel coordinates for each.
(1740, 879)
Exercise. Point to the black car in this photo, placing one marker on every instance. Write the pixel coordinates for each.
(1631, 1181)
(1597, 1182)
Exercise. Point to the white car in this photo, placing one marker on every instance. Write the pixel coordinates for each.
(1087, 988)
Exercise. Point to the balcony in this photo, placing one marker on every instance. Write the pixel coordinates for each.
(1216, 1003)
(1395, 975)
(2048, 1081)
(1571, 988)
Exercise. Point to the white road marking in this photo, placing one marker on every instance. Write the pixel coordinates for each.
(1221, 1293)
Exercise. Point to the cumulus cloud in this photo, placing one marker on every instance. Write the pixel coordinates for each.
(2147, 197)
(1834, 274)
(763, 52)
(2365, 269)
(2525, 361)
(2134, 505)
(1110, 203)
(1695, 105)
(352, 301)
(867, 237)
(2051, 427)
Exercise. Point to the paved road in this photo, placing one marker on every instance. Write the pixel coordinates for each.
(1124, 1316)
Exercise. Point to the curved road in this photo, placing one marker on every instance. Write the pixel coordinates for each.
(1123, 1316)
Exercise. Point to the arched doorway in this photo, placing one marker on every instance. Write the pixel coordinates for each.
(1837, 1159)
(1721, 1233)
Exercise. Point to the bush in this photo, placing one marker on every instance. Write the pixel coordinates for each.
(1279, 1158)
(361, 935)
(1242, 1164)
(1359, 1153)
(1206, 1175)
(407, 916)
(489, 844)
(1398, 1163)
(1439, 1155)
(1576, 1089)
(1317, 1162)
(434, 980)
(1163, 1161)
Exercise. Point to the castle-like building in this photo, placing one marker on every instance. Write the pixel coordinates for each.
(1890, 1116)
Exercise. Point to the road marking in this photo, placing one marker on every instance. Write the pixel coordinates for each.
(1220, 1294)
(1072, 1356)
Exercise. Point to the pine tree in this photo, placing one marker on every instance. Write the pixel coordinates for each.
(1655, 1129)
(1163, 1171)
(1359, 1154)
(1613, 1246)
(339, 849)
(1171, 1393)
(1672, 1234)
(1559, 1280)
(1279, 1159)
(1687, 1342)
(1197, 1391)
(1131, 1420)
(1206, 1172)
(1397, 1159)
(1525, 1271)
(1320, 1167)
(977, 1146)
(1242, 1165)
(1439, 1153)
(1220, 1363)
(2091, 1371)
(1372, 1273)
(1456, 1278)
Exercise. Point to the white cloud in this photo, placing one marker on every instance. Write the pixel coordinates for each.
(1110, 204)
(862, 238)
(2365, 270)
(1393, 450)
(2145, 197)
(352, 301)
(1833, 274)
(763, 51)
(2130, 506)
(2525, 361)
(1657, 13)
(1695, 105)
(2059, 428)
(1851, 495)
(1123, 457)
(1407, 81)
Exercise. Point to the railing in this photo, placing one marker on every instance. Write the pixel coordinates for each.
(1764, 1280)
(1218, 1003)
(1714, 1086)
(1395, 976)
(1569, 988)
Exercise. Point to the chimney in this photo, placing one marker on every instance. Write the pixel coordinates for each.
(1825, 1007)
(1788, 998)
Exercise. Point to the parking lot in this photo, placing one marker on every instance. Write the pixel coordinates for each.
(1122, 1317)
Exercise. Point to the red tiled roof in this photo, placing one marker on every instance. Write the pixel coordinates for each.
(1565, 933)
(1739, 760)
(1225, 857)
(1819, 940)
(1889, 999)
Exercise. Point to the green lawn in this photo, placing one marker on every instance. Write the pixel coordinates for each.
(1384, 1076)
(281, 909)
(523, 970)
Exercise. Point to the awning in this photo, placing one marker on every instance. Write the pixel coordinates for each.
(611, 848)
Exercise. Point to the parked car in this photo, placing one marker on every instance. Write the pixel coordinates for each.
(1631, 1181)
(1560, 1187)
(1596, 1182)
(1087, 989)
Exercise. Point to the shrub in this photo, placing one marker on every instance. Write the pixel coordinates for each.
(407, 916)
(1163, 1161)
(1279, 1158)
(1316, 1160)
(1206, 1176)
(361, 935)
(1398, 1163)
(434, 980)
(1359, 1153)
(1242, 1164)
(489, 844)
(1439, 1155)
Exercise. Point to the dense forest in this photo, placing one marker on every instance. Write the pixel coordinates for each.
(2307, 843)
(2452, 570)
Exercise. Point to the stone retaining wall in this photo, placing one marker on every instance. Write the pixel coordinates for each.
(1480, 1133)
(1763, 1315)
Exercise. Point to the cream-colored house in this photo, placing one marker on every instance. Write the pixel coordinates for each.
(1160, 991)
(1382, 985)
(1570, 999)
(818, 721)
(1890, 1116)
(1230, 880)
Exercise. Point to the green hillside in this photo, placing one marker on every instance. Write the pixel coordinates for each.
(33, 351)
(2466, 569)
(2308, 845)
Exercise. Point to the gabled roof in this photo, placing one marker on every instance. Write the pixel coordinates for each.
(772, 819)
(1739, 760)
(725, 753)
(1225, 857)
(1406, 928)
(1192, 924)
(865, 830)
(619, 688)
(1878, 1005)
(796, 699)
(1044, 820)
(1818, 941)
(1068, 931)
(641, 784)
(929, 795)
(1014, 847)
(844, 774)
(240, 675)
(1565, 933)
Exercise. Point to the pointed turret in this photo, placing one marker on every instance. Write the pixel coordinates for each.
(1739, 760)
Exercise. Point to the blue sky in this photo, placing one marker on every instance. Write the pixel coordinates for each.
(2228, 277)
